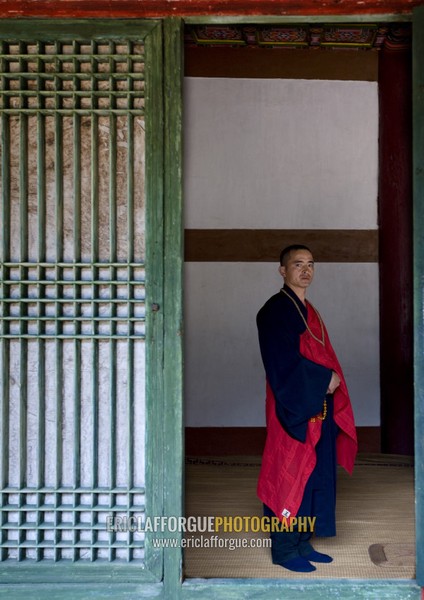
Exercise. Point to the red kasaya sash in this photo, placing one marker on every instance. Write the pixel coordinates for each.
(287, 463)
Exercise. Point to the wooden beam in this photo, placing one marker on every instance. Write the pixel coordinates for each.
(281, 63)
(265, 245)
(172, 8)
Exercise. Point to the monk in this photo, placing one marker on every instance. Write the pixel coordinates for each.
(310, 424)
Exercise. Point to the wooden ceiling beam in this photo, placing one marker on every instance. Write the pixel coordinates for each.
(193, 8)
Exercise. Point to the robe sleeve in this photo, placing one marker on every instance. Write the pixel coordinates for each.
(298, 384)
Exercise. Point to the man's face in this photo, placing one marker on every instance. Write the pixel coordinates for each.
(298, 271)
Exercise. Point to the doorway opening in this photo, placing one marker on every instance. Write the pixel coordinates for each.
(282, 145)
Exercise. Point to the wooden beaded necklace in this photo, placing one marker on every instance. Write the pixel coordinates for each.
(322, 415)
(322, 340)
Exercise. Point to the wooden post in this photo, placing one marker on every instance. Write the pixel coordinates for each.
(395, 252)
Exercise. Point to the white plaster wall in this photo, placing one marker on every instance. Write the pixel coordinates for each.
(225, 380)
(280, 154)
(277, 154)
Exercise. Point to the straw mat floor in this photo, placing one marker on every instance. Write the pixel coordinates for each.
(375, 520)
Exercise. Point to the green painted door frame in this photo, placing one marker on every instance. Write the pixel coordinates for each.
(418, 262)
(341, 588)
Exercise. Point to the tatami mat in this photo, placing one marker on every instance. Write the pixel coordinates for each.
(375, 509)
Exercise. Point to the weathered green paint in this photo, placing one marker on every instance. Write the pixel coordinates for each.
(271, 589)
(221, 589)
(418, 232)
(4, 392)
(64, 571)
(155, 478)
(53, 29)
(69, 591)
(173, 256)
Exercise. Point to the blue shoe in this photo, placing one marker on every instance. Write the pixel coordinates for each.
(318, 557)
(298, 564)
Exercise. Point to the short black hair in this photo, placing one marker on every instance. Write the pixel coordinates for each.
(292, 248)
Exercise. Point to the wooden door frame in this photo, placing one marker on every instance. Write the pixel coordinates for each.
(302, 589)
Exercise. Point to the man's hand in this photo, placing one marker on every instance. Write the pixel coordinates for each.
(334, 383)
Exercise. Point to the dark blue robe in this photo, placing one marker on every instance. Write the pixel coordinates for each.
(299, 386)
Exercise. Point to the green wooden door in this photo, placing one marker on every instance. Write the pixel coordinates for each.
(81, 286)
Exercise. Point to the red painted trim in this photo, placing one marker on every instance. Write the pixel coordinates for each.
(167, 8)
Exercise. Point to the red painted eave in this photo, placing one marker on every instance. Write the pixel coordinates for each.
(167, 8)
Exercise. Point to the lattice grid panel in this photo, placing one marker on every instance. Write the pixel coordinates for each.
(72, 299)
(72, 78)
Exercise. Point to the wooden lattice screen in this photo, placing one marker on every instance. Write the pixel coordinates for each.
(72, 297)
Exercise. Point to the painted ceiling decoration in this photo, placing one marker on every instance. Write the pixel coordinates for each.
(370, 36)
